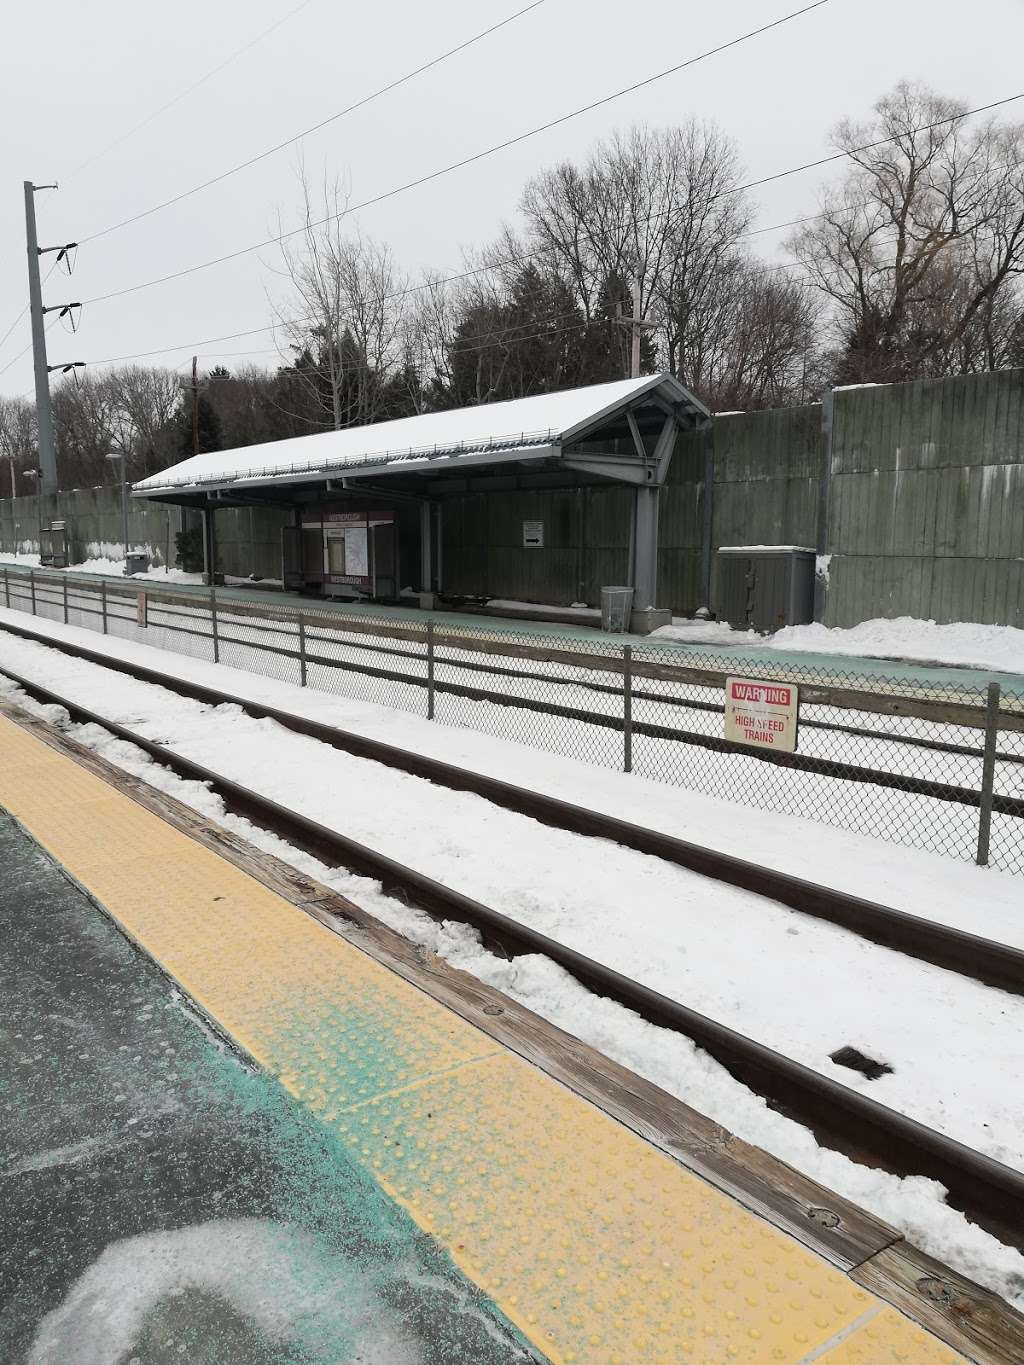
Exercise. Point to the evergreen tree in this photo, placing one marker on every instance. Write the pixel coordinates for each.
(208, 426)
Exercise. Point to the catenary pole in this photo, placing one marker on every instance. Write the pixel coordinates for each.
(44, 410)
(637, 325)
(195, 405)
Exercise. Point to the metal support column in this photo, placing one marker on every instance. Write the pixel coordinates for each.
(44, 411)
(209, 546)
(708, 519)
(627, 708)
(824, 502)
(988, 774)
(213, 623)
(302, 650)
(430, 670)
(645, 546)
(439, 547)
(426, 558)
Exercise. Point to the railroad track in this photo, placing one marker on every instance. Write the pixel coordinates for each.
(987, 1191)
(970, 955)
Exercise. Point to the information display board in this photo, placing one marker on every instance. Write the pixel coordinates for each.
(533, 535)
(761, 713)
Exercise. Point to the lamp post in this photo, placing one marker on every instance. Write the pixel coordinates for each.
(120, 455)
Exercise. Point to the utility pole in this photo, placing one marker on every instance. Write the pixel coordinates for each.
(195, 405)
(638, 325)
(44, 411)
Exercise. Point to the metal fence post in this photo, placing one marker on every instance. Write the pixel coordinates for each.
(988, 774)
(7, 588)
(430, 670)
(302, 649)
(627, 708)
(32, 586)
(65, 597)
(103, 602)
(213, 623)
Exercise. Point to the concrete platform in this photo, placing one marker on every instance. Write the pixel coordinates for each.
(595, 1244)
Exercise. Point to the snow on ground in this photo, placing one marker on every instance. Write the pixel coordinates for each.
(728, 954)
(159, 573)
(914, 1205)
(685, 631)
(962, 643)
(544, 609)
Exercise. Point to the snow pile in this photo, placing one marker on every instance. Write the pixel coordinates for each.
(279, 1279)
(689, 632)
(113, 568)
(543, 608)
(904, 637)
(963, 643)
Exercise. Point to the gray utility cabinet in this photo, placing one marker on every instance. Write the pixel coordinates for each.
(764, 586)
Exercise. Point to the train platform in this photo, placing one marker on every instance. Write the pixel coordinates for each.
(256, 1125)
(531, 621)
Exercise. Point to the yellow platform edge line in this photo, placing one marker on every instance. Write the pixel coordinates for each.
(598, 1246)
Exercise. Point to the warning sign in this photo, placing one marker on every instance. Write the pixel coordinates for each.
(762, 713)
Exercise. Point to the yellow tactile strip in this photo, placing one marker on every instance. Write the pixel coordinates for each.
(598, 1246)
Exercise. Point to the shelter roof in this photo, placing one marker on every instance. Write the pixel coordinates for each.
(524, 427)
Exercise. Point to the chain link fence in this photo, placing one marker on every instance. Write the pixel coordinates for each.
(937, 765)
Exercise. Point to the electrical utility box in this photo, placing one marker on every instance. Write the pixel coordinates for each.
(764, 586)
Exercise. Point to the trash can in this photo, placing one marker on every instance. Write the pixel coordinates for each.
(616, 605)
(136, 563)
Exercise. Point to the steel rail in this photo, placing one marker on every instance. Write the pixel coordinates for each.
(942, 945)
(984, 1189)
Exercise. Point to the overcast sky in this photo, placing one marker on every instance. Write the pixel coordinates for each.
(75, 77)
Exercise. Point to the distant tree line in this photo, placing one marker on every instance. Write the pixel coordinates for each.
(910, 267)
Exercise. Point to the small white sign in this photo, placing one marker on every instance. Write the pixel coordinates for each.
(533, 535)
(761, 713)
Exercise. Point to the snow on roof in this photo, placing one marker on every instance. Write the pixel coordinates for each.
(520, 423)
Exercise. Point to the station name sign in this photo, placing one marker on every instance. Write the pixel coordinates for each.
(761, 713)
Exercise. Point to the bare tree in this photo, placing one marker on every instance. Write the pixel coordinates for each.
(143, 406)
(17, 438)
(661, 207)
(351, 297)
(930, 202)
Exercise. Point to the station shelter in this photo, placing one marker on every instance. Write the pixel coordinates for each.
(370, 509)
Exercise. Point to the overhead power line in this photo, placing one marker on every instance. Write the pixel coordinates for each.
(474, 158)
(214, 71)
(525, 256)
(13, 325)
(298, 322)
(25, 349)
(22, 314)
(316, 127)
